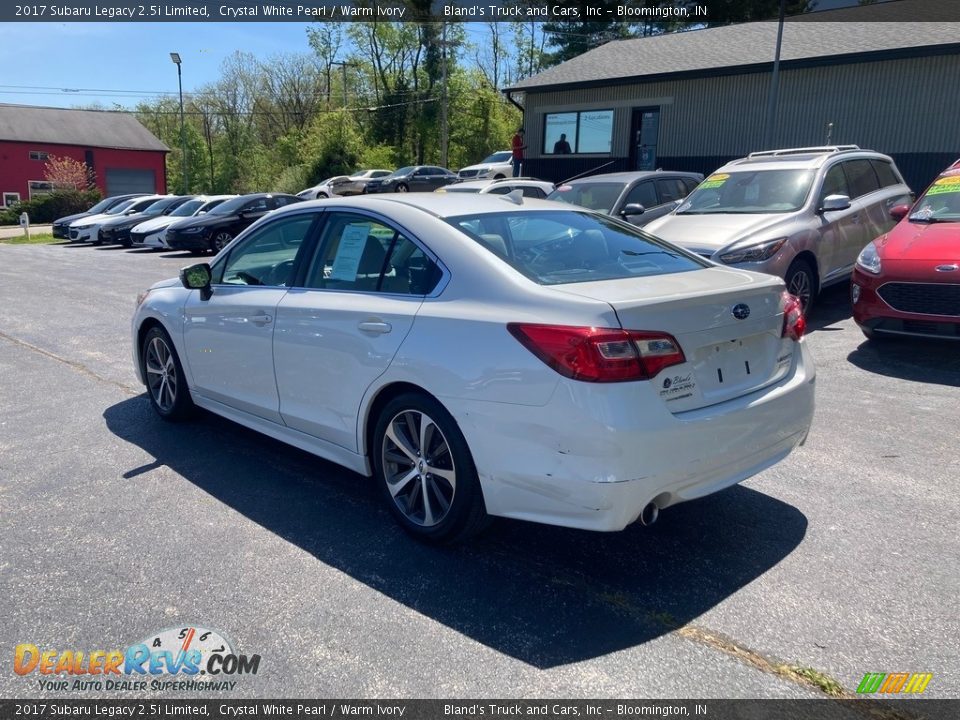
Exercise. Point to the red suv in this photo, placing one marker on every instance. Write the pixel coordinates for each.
(907, 282)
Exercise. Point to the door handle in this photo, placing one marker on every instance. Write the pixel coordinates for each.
(375, 326)
(261, 319)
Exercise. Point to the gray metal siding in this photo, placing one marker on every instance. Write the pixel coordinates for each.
(122, 181)
(896, 106)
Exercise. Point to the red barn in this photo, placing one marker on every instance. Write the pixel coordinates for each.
(124, 155)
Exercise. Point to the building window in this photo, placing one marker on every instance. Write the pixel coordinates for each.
(590, 131)
(39, 155)
(39, 188)
(10, 199)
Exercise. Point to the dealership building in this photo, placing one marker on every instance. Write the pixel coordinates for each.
(124, 155)
(695, 100)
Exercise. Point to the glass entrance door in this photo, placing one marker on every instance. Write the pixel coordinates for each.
(645, 132)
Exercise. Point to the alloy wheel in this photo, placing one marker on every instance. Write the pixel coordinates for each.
(221, 240)
(801, 287)
(419, 468)
(161, 374)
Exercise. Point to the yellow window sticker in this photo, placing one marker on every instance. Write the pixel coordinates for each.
(714, 181)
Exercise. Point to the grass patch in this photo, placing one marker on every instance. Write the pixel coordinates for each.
(34, 239)
(822, 681)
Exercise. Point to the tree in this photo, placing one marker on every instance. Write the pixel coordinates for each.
(68, 174)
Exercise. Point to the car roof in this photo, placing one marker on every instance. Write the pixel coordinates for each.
(437, 204)
(630, 176)
(519, 182)
(801, 158)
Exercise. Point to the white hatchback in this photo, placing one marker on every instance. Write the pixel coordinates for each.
(486, 355)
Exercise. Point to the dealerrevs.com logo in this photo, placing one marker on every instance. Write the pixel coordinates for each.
(186, 658)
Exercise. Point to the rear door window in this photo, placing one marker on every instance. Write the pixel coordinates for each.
(359, 253)
(885, 173)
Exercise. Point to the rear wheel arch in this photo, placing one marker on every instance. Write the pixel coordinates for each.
(375, 407)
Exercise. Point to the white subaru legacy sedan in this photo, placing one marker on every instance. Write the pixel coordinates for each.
(484, 355)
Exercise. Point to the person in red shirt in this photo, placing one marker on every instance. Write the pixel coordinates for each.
(518, 148)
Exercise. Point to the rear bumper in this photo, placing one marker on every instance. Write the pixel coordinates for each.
(595, 455)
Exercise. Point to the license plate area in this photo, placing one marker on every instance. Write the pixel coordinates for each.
(734, 367)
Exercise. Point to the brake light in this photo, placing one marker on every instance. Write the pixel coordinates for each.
(794, 323)
(599, 354)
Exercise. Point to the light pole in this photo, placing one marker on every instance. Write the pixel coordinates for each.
(774, 83)
(183, 134)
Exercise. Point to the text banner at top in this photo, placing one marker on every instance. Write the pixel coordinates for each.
(694, 12)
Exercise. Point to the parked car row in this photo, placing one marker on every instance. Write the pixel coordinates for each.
(198, 223)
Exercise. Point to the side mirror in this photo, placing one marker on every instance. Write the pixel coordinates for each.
(835, 202)
(899, 212)
(633, 209)
(197, 277)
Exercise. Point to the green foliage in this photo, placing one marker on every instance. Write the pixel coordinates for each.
(291, 179)
(47, 208)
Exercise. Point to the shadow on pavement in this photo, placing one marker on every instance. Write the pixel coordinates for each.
(917, 359)
(832, 307)
(546, 596)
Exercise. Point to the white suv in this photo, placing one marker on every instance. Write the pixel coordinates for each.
(803, 214)
(496, 166)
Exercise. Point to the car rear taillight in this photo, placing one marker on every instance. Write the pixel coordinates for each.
(599, 354)
(794, 323)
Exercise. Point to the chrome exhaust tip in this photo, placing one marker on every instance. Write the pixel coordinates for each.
(649, 514)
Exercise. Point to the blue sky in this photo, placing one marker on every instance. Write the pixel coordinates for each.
(127, 56)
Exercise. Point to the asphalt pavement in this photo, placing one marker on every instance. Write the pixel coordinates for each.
(114, 525)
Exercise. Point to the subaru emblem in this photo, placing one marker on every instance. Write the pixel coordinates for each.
(741, 311)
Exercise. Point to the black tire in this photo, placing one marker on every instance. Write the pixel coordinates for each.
(127, 243)
(402, 187)
(321, 195)
(219, 241)
(801, 280)
(465, 514)
(159, 362)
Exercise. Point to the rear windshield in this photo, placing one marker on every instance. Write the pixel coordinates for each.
(600, 196)
(553, 247)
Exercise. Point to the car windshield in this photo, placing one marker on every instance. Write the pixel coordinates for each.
(749, 192)
(230, 206)
(940, 203)
(211, 204)
(142, 205)
(101, 206)
(600, 196)
(188, 208)
(498, 157)
(402, 171)
(159, 206)
(120, 208)
(552, 247)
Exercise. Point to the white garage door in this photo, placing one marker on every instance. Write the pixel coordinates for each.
(123, 182)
